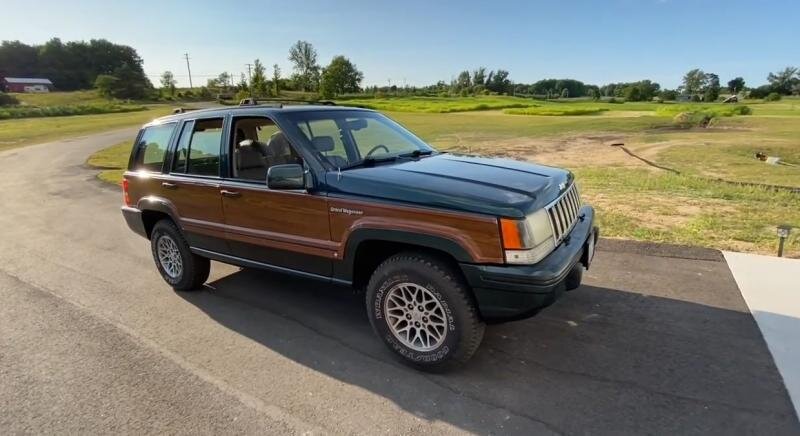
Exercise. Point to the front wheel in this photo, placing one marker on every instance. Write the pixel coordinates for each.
(178, 266)
(421, 308)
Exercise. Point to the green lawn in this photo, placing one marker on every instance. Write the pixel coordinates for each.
(27, 131)
(112, 161)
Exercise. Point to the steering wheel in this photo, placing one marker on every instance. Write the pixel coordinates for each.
(376, 148)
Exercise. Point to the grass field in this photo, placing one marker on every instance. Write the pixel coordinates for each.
(27, 131)
(634, 200)
(112, 161)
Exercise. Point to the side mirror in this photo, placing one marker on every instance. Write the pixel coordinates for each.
(291, 176)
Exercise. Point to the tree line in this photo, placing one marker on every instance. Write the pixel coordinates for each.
(340, 76)
(116, 71)
(77, 65)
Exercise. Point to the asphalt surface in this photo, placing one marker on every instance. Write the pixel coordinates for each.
(658, 341)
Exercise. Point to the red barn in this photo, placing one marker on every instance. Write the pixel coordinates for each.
(24, 84)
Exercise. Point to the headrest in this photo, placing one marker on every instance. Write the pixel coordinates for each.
(278, 144)
(322, 143)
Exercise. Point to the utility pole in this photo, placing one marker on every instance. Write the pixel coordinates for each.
(249, 80)
(186, 56)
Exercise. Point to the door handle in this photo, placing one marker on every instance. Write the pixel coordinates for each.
(231, 194)
(169, 185)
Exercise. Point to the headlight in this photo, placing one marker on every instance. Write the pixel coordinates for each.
(527, 241)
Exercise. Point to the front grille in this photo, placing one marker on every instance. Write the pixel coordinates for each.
(564, 212)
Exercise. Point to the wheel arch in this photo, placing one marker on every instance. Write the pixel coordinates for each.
(367, 248)
(155, 209)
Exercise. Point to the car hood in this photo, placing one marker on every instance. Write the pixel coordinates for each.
(493, 186)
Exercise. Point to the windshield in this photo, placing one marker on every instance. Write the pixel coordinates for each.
(348, 138)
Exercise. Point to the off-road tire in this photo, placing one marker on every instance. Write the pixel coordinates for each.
(195, 269)
(464, 328)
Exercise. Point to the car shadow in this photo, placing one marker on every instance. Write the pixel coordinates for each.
(600, 360)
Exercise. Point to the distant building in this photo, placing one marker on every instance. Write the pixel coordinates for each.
(25, 84)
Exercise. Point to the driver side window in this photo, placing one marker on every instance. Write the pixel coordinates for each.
(257, 145)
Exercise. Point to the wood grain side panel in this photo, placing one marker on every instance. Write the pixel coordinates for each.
(479, 235)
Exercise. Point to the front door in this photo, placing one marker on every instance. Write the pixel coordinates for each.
(194, 181)
(286, 229)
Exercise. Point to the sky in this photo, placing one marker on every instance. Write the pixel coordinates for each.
(420, 42)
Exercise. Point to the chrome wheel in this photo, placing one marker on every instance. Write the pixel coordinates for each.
(415, 316)
(169, 256)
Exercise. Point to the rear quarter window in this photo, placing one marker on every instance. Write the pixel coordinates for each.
(150, 151)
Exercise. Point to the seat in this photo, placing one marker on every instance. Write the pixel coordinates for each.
(325, 144)
(250, 163)
(279, 151)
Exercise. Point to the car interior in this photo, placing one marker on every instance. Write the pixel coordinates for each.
(258, 145)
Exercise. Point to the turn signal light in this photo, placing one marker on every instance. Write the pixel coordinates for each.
(512, 238)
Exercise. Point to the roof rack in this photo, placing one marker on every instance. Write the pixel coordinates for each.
(182, 110)
(279, 102)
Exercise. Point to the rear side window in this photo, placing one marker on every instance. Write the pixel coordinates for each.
(199, 148)
(152, 147)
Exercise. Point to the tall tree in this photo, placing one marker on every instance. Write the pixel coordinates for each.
(304, 58)
(168, 82)
(694, 81)
(736, 85)
(783, 81)
(276, 79)
(499, 82)
(712, 88)
(340, 77)
(224, 79)
(258, 82)
(463, 80)
(479, 76)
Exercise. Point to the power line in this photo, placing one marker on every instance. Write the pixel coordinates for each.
(186, 55)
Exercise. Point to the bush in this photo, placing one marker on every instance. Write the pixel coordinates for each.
(772, 96)
(613, 100)
(556, 111)
(760, 92)
(8, 100)
(60, 111)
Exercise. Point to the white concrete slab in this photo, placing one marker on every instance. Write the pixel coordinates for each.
(771, 288)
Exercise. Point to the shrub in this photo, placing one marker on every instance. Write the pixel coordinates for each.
(772, 96)
(760, 92)
(8, 100)
(555, 111)
(59, 111)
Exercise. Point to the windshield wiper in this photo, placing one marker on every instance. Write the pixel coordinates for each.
(368, 161)
(416, 153)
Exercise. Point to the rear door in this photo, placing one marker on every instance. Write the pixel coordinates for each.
(283, 228)
(193, 183)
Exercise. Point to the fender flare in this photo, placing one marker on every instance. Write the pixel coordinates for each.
(344, 270)
(159, 204)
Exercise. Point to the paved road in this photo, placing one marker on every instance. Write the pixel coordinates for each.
(91, 340)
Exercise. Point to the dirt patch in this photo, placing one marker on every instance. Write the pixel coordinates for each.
(569, 151)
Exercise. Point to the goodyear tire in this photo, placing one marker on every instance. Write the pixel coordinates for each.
(179, 267)
(422, 309)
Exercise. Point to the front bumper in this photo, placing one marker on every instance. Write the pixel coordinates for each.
(509, 292)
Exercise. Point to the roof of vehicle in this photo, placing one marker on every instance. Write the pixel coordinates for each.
(266, 109)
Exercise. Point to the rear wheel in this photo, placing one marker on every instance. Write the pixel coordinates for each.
(178, 266)
(421, 308)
